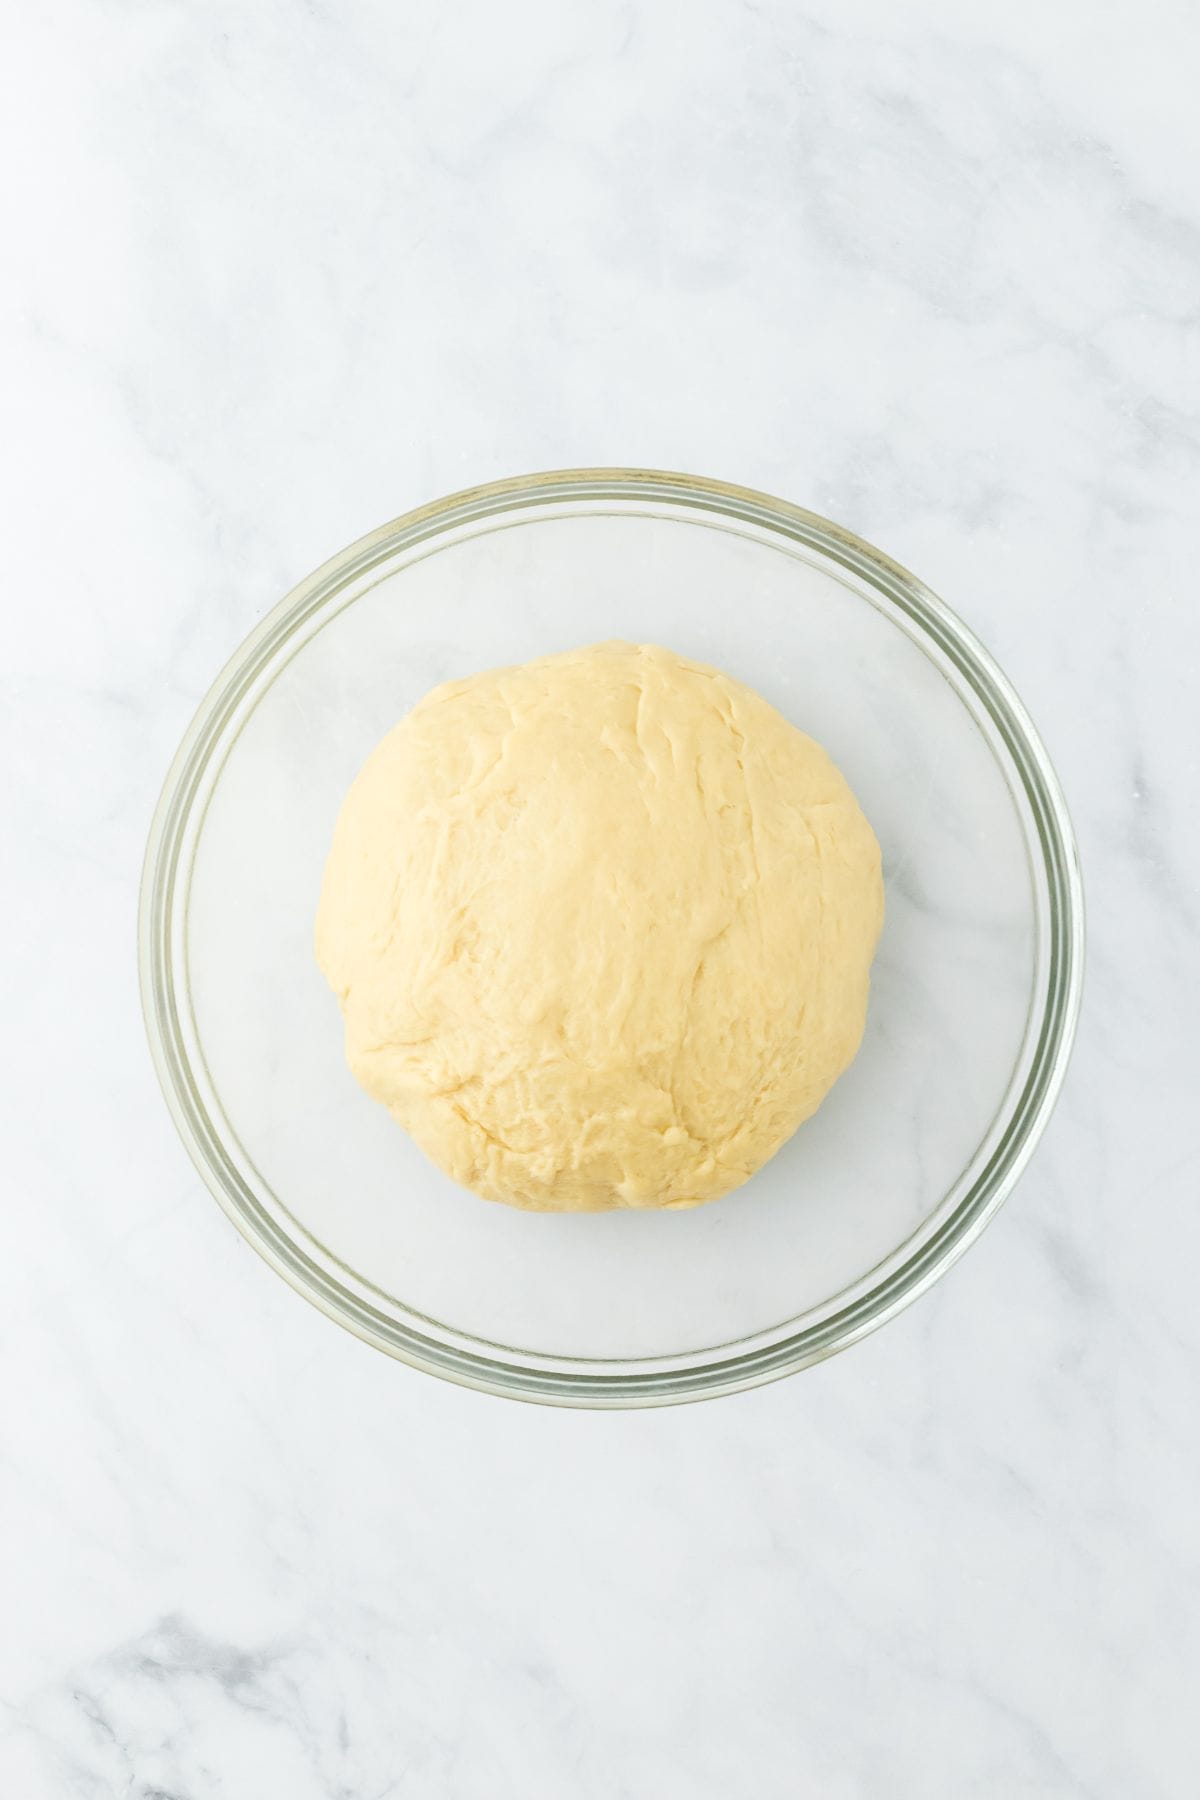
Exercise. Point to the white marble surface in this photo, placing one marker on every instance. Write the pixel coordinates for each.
(275, 273)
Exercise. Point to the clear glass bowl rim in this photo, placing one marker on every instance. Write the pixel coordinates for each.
(636, 1382)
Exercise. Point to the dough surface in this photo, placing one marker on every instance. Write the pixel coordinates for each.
(601, 928)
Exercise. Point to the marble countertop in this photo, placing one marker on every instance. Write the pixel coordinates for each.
(276, 274)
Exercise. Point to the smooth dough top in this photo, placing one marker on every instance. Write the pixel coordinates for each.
(601, 929)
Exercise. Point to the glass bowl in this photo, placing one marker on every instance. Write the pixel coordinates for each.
(975, 990)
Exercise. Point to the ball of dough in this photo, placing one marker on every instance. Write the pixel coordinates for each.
(601, 928)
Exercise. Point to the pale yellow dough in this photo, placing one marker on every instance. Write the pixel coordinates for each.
(601, 929)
